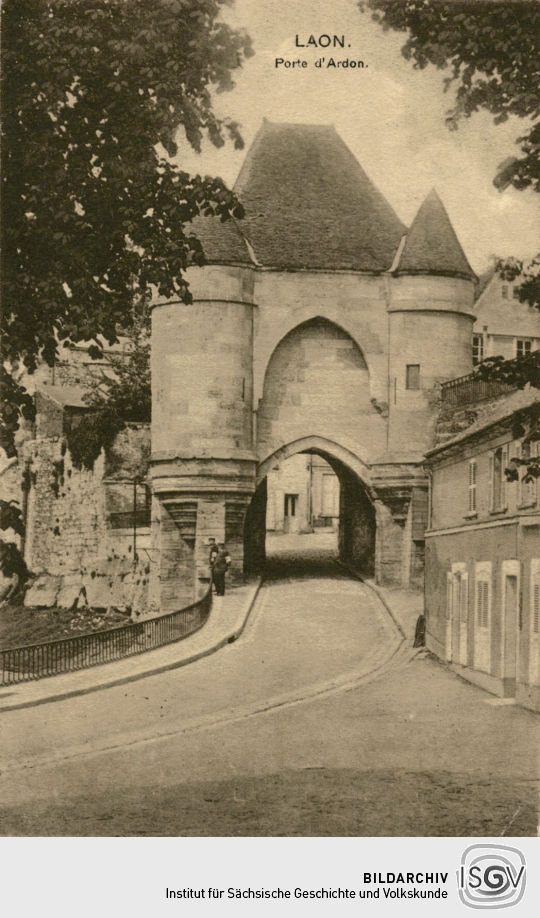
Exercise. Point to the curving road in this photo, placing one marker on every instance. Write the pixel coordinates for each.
(315, 722)
(308, 634)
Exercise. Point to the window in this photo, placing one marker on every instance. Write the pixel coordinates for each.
(523, 347)
(472, 486)
(504, 291)
(290, 504)
(527, 489)
(534, 647)
(498, 463)
(535, 603)
(515, 293)
(482, 604)
(477, 349)
(413, 376)
(463, 598)
(482, 616)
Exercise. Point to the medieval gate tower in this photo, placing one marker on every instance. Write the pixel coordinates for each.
(320, 324)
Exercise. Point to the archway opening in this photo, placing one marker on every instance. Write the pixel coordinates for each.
(309, 510)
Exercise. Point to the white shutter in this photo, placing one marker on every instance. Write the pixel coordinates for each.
(491, 483)
(464, 598)
(448, 596)
(534, 646)
(472, 485)
(482, 603)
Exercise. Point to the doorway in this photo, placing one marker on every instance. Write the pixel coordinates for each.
(510, 625)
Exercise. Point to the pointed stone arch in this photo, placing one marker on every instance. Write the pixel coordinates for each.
(358, 504)
(317, 383)
(329, 449)
(265, 349)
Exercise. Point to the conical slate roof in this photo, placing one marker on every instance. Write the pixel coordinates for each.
(309, 203)
(222, 242)
(431, 246)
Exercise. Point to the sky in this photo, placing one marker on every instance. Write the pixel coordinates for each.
(390, 115)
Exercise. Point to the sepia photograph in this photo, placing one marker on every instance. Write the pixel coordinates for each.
(270, 460)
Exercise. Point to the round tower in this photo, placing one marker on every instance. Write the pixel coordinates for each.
(202, 466)
(430, 326)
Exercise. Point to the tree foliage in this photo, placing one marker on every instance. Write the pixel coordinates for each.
(14, 402)
(518, 373)
(11, 560)
(490, 52)
(94, 211)
(120, 396)
(529, 288)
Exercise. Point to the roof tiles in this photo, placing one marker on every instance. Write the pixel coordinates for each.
(309, 203)
(432, 246)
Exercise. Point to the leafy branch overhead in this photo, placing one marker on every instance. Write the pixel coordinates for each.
(94, 93)
(489, 52)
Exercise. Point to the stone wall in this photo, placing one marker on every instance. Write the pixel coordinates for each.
(80, 542)
(356, 538)
(317, 382)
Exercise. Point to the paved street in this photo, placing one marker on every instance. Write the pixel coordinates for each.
(313, 723)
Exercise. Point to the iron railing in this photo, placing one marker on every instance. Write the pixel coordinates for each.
(64, 655)
(471, 388)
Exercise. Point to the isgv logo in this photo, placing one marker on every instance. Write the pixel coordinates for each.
(491, 876)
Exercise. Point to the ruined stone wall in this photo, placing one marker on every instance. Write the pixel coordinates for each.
(79, 526)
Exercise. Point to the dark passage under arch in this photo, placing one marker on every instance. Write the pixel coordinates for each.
(356, 533)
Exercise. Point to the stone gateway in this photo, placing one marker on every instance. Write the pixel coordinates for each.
(321, 325)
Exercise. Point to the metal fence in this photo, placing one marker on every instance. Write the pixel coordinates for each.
(65, 655)
(468, 389)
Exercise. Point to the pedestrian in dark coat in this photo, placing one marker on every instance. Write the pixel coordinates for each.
(222, 564)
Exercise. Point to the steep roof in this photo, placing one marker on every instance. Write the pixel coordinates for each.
(222, 242)
(483, 281)
(431, 246)
(309, 203)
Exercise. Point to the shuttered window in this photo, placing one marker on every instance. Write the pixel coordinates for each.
(482, 603)
(534, 645)
(498, 463)
(527, 489)
(464, 598)
(448, 597)
(472, 486)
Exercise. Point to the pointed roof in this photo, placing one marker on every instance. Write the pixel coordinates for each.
(309, 203)
(431, 246)
(483, 281)
(222, 241)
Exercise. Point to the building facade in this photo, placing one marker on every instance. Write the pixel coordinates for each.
(482, 577)
(503, 326)
(303, 495)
